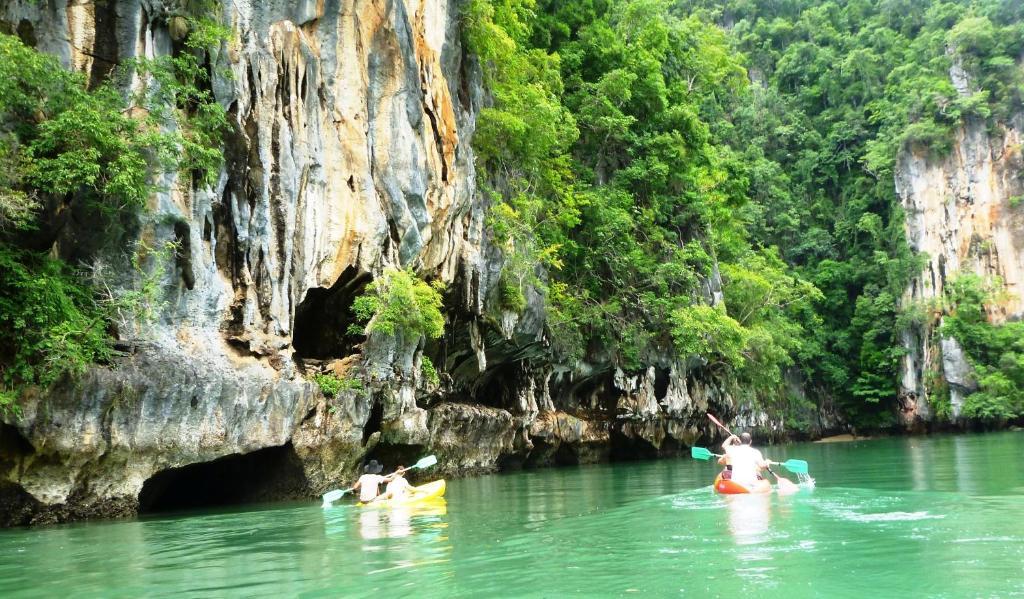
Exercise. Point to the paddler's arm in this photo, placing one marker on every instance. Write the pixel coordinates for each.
(396, 473)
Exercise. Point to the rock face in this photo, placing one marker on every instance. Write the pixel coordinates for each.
(350, 153)
(960, 211)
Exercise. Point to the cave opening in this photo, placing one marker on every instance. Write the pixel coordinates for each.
(392, 455)
(497, 386)
(373, 423)
(323, 318)
(661, 381)
(268, 474)
(13, 444)
(630, 447)
(554, 453)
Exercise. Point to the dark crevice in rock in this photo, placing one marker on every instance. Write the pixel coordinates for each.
(264, 475)
(628, 445)
(105, 50)
(373, 423)
(499, 386)
(394, 455)
(661, 380)
(438, 138)
(323, 318)
(13, 445)
(183, 255)
(27, 33)
(17, 508)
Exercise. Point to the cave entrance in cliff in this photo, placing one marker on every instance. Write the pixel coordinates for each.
(392, 455)
(264, 475)
(373, 423)
(323, 318)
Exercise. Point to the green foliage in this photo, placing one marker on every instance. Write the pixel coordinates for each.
(605, 171)
(49, 321)
(62, 138)
(996, 352)
(429, 372)
(777, 311)
(844, 87)
(177, 96)
(628, 156)
(708, 331)
(139, 303)
(331, 384)
(66, 145)
(400, 303)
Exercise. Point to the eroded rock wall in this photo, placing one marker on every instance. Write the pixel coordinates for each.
(350, 152)
(960, 211)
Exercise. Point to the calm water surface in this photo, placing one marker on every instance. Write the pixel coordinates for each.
(939, 517)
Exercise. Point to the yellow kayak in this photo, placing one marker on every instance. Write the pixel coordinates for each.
(420, 494)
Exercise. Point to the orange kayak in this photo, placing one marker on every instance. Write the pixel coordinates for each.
(729, 487)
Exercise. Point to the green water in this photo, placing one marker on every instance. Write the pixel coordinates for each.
(940, 517)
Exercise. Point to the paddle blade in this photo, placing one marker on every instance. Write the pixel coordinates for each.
(430, 460)
(332, 496)
(796, 466)
(785, 486)
(700, 453)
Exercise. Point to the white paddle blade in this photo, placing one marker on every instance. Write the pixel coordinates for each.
(332, 496)
(430, 460)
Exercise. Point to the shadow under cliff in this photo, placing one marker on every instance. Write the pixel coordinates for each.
(265, 475)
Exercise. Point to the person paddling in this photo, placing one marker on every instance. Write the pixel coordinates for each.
(369, 483)
(398, 487)
(744, 462)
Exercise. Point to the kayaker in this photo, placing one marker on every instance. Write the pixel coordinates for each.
(398, 487)
(743, 461)
(369, 483)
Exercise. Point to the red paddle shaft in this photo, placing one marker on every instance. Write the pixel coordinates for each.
(715, 420)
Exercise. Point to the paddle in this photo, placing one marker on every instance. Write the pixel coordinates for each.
(332, 496)
(794, 466)
(430, 460)
(699, 453)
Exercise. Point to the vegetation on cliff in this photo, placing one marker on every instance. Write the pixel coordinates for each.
(69, 152)
(639, 155)
(690, 178)
(400, 303)
(996, 353)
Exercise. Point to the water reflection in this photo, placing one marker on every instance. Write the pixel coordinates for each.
(654, 529)
(399, 522)
(749, 517)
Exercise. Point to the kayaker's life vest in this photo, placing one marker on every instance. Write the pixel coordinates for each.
(744, 460)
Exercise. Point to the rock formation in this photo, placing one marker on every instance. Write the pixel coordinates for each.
(961, 212)
(352, 122)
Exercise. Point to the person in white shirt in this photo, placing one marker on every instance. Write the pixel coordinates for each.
(369, 483)
(744, 461)
(399, 487)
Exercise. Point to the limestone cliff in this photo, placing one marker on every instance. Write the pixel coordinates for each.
(351, 152)
(960, 211)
